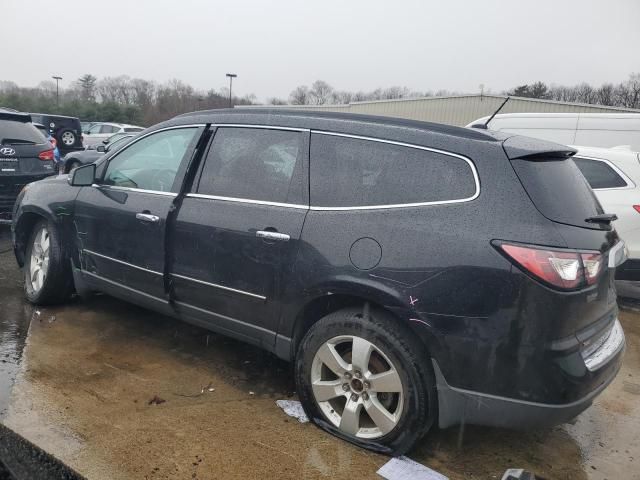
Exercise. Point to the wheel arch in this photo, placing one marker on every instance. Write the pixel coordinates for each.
(22, 231)
(329, 301)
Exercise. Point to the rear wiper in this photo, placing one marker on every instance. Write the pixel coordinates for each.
(605, 218)
(17, 141)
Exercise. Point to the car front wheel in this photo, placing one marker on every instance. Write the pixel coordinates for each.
(47, 275)
(362, 376)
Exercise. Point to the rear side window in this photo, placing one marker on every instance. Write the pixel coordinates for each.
(599, 174)
(558, 189)
(254, 164)
(352, 172)
(13, 132)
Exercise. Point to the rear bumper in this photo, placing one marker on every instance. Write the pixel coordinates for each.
(459, 406)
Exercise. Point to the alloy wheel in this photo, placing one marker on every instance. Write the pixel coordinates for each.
(39, 261)
(68, 138)
(357, 387)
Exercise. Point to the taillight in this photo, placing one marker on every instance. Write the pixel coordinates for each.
(636, 208)
(563, 269)
(46, 155)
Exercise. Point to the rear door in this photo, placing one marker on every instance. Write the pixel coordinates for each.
(121, 220)
(237, 231)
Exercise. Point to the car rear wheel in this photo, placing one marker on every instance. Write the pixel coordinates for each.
(47, 275)
(68, 138)
(362, 376)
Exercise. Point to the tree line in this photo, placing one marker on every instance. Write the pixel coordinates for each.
(144, 102)
(624, 94)
(116, 99)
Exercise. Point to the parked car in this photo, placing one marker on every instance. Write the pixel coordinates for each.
(108, 140)
(604, 130)
(75, 159)
(415, 273)
(86, 126)
(101, 131)
(25, 155)
(66, 130)
(614, 175)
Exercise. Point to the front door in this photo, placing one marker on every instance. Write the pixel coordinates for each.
(237, 232)
(121, 221)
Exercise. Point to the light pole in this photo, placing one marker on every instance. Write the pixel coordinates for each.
(231, 77)
(57, 79)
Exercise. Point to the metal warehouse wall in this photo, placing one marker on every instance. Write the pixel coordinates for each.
(458, 110)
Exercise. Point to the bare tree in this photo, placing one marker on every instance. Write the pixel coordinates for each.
(320, 92)
(299, 96)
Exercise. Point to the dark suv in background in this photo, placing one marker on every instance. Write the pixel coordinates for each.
(25, 156)
(416, 273)
(66, 130)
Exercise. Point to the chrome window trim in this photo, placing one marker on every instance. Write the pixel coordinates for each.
(131, 189)
(264, 127)
(247, 200)
(221, 287)
(122, 262)
(471, 165)
(630, 184)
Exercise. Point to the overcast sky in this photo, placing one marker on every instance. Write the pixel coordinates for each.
(276, 45)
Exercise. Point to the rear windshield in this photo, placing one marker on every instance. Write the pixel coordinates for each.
(559, 190)
(13, 132)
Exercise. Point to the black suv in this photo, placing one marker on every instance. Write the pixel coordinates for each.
(25, 156)
(416, 273)
(66, 130)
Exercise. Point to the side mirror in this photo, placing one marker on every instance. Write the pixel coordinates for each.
(83, 176)
(101, 148)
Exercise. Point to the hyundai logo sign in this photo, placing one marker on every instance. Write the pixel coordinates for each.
(7, 151)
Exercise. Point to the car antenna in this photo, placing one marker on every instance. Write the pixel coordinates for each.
(485, 125)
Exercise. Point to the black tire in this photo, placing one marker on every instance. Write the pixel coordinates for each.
(409, 359)
(57, 285)
(67, 138)
(70, 165)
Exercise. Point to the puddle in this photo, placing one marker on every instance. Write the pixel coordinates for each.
(15, 316)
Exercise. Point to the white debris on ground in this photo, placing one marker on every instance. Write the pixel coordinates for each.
(403, 468)
(293, 408)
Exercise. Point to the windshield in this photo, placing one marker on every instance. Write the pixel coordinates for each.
(559, 190)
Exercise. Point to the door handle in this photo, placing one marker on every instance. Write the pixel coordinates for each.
(275, 236)
(147, 217)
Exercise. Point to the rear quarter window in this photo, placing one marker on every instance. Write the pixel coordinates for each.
(354, 172)
(599, 174)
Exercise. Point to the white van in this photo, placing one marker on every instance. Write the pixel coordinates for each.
(614, 175)
(588, 129)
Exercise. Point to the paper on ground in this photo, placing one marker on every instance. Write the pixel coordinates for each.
(293, 408)
(403, 468)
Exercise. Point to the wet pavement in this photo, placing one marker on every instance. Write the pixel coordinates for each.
(119, 392)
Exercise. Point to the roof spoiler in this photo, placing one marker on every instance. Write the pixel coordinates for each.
(532, 148)
(17, 116)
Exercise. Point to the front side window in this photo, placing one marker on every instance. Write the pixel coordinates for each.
(599, 174)
(255, 164)
(352, 172)
(151, 163)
